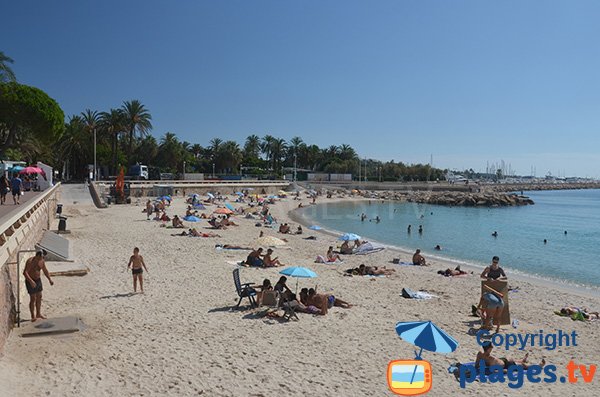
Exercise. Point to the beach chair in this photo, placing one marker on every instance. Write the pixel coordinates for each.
(288, 307)
(243, 290)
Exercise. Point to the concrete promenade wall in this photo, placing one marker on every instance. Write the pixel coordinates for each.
(21, 230)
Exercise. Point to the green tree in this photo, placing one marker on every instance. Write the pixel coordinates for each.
(147, 151)
(74, 149)
(6, 73)
(28, 112)
(137, 120)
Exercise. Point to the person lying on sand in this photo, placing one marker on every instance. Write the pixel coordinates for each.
(232, 247)
(575, 311)
(374, 271)
(418, 259)
(505, 363)
(217, 225)
(449, 272)
(177, 222)
(331, 300)
(271, 262)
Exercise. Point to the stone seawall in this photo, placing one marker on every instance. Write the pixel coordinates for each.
(21, 231)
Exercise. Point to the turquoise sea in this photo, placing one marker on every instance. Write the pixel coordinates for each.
(465, 233)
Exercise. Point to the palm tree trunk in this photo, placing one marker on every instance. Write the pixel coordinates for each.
(114, 154)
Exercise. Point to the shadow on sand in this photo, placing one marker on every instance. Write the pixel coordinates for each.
(127, 295)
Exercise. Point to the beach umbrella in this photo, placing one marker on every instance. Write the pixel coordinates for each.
(199, 206)
(191, 218)
(210, 195)
(426, 335)
(223, 211)
(31, 170)
(17, 168)
(349, 237)
(230, 207)
(270, 241)
(315, 227)
(298, 272)
(239, 193)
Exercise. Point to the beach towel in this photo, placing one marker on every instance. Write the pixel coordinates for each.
(410, 294)
(406, 264)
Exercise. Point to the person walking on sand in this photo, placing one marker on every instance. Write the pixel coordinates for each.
(136, 262)
(149, 209)
(33, 281)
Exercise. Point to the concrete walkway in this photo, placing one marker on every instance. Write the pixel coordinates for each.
(76, 193)
(9, 207)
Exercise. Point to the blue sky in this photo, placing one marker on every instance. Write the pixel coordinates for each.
(465, 81)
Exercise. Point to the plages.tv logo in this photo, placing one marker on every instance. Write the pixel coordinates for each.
(414, 377)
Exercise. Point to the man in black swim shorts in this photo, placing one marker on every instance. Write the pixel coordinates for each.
(33, 282)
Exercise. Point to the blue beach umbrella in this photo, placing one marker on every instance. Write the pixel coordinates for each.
(199, 206)
(315, 227)
(298, 272)
(349, 237)
(239, 193)
(17, 168)
(426, 335)
(210, 195)
(191, 218)
(230, 207)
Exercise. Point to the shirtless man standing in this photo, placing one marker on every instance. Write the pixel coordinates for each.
(33, 281)
(135, 263)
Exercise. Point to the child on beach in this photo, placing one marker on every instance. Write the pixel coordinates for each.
(136, 262)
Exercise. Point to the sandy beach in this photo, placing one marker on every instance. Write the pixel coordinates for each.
(182, 337)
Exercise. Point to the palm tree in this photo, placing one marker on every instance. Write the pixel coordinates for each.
(278, 148)
(6, 73)
(229, 156)
(170, 151)
(252, 147)
(266, 147)
(196, 150)
(112, 124)
(137, 120)
(346, 152)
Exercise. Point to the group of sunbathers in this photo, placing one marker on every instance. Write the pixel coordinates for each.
(193, 232)
(286, 229)
(310, 301)
(257, 259)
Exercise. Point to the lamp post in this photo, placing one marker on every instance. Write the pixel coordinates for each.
(295, 165)
(95, 166)
(213, 171)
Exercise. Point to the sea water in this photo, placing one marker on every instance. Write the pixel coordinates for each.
(465, 233)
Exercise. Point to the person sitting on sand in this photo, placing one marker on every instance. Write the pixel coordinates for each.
(332, 257)
(189, 212)
(254, 258)
(374, 271)
(164, 217)
(284, 228)
(216, 225)
(227, 222)
(283, 289)
(177, 223)
(418, 259)
(271, 262)
(345, 248)
(449, 272)
(266, 286)
(486, 357)
(299, 230)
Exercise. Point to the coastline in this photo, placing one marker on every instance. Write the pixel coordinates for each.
(184, 336)
(439, 261)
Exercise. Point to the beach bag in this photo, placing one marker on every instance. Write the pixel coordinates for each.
(408, 293)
